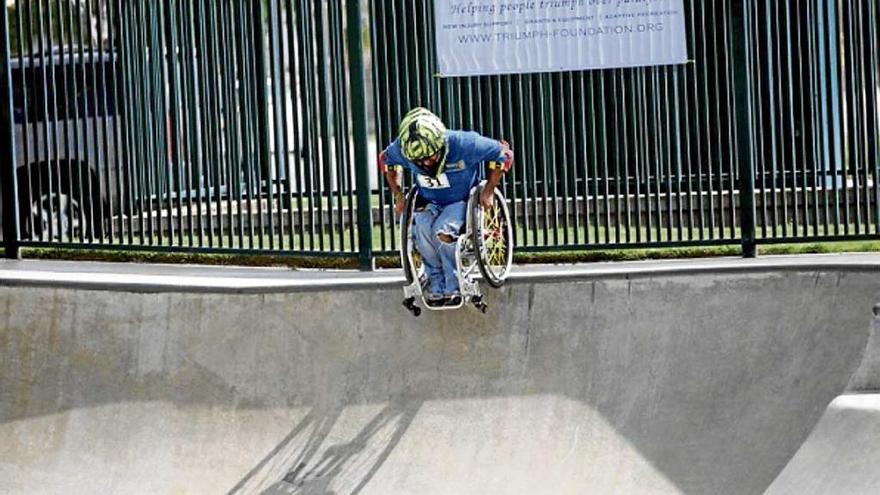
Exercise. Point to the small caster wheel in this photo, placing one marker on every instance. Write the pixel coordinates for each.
(409, 303)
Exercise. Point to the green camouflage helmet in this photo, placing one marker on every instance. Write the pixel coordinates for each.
(422, 134)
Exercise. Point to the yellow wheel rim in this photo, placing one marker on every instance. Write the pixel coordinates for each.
(494, 242)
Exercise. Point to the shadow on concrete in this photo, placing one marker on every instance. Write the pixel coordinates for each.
(313, 468)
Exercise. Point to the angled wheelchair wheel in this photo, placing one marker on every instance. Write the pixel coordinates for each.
(492, 237)
(409, 257)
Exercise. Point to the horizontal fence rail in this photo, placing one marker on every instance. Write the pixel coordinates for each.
(240, 126)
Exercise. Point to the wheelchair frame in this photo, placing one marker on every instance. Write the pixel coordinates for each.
(469, 255)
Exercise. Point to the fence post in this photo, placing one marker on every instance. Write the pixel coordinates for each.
(359, 134)
(742, 100)
(7, 145)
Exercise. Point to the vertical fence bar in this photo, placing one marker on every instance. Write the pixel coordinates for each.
(279, 119)
(593, 112)
(243, 35)
(49, 134)
(606, 179)
(7, 145)
(836, 132)
(521, 118)
(294, 164)
(231, 132)
(335, 195)
(340, 136)
(637, 145)
(666, 152)
(33, 180)
(104, 87)
(262, 111)
(381, 95)
(237, 137)
(862, 140)
(792, 125)
(215, 65)
(812, 25)
(584, 156)
(64, 115)
(617, 149)
(803, 124)
(24, 31)
(193, 140)
(703, 100)
(696, 127)
(161, 195)
(26, 97)
(532, 176)
(654, 152)
(145, 117)
(176, 127)
(570, 148)
(323, 123)
(308, 56)
(123, 141)
(729, 117)
(742, 96)
(780, 218)
(300, 111)
(359, 134)
(675, 150)
(824, 119)
(849, 71)
(758, 101)
(720, 98)
(874, 107)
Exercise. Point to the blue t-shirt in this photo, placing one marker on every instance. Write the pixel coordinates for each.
(461, 172)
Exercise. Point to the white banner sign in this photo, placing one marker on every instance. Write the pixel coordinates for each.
(476, 37)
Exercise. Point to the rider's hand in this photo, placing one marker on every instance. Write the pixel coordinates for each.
(487, 199)
(398, 205)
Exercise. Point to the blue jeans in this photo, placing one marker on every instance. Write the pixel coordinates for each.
(438, 256)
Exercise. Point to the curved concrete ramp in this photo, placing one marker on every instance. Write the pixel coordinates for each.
(842, 455)
(692, 383)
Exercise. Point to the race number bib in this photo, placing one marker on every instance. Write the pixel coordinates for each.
(441, 182)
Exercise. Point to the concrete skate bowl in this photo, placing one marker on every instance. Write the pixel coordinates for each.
(676, 382)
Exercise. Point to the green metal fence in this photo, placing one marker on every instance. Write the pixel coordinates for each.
(242, 126)
(651, 156)
(209, 125)
(815, 106)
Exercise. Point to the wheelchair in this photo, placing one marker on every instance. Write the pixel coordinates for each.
(485, 246)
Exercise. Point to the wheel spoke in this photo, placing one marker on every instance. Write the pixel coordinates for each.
(492, 242)
(493, 237)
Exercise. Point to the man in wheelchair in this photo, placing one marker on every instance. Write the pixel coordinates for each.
(446, 166)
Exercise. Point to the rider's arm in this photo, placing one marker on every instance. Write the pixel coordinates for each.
(497, 169)
(392, 177)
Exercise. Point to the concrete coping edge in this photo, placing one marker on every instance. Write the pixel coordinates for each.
(107, 276)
